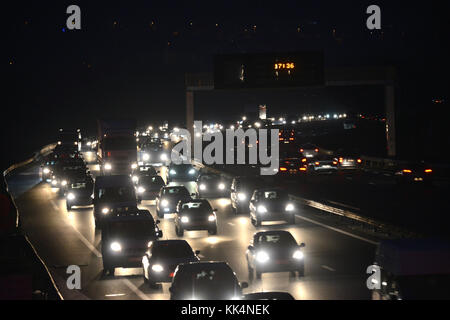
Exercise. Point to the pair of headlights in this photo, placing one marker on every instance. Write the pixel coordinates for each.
(174, 172)
(220, 186)
(262, 209)
(263, 257)
(211, 218)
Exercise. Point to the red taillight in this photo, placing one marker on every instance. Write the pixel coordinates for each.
(317, 163)
(302, 169)
(359, 160)
(292, 139)
(407, 171)
(171, 275)
(335, 162)
(316, 150)
(108, 154)
(304, 160)
(283, 169)
(281, 139)
(301, 150)
(428, 171)
(341, 160)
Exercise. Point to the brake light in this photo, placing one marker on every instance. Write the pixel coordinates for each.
(301, 150)
(171, 275)
(292, 139)
(281, 139)
(317, 163)
(407, 171)
(302, 169)
(359, 160)
(316, 150)
(108, 154)
(304, 160)
(341, 160)
(335, 162)
(428, 171)
(283, 169)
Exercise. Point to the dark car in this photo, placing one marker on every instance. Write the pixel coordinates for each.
(415, 173)
(323, 164)
(270, 204)
(205, 281)
(195, 215)
(348, 159)
(241, 190)
(292, 166)
(168, 198)
(268, 295)
(181, 172)
(148, 187)
(163, 256)
(309, 150)
(112, 192)
(213, 185)
(146, 170)
(79, 193)
(125, 238)
(153, 153)
(274, 251)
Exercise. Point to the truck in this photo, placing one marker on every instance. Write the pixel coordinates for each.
(117, 148)
(413, 269)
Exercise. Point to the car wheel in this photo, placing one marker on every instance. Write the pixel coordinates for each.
(213, 231)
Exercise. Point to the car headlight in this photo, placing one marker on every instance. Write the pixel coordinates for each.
(157, 268)
(163, 157)
(54, 182)
(115, 246)
(108, 166)
(46, 170)
(105, 210)
(192, 171)
(146, 157)
(184, 219)
(64, 182)
(262, 209)
(70, 196)
(172, 171)
(221, 186)
(202, 187)
(134, 166)
(290, 207)
(242, 196)
(212, 218)
(135, 178)
(262, 257)
(164, 203)
(141, 190)
(298, 255)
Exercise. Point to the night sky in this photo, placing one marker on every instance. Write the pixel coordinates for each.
(130, 57)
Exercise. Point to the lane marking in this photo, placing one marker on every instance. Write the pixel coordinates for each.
(338, 230)
(135, 289)
(86, 242)
(328, 268)
(115, 295)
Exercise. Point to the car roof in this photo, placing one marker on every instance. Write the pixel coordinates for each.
(202, 264)
(113, 181)
(272, 232)
(132, 216)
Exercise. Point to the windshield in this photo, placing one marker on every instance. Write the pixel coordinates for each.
(132, 229)
(204, 282)
(119, 194)
(273, 195)
(196, 208)
(172, 250)
(278, 239)
(147, 180)
(119, 143)
(175, 192)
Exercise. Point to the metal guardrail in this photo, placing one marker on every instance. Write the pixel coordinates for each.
(44, 151)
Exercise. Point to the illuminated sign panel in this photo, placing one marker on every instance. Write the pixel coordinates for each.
(268, 70)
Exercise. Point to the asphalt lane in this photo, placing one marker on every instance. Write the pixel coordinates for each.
(335, 263)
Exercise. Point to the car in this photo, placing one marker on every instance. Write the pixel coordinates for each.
(195, 215)
(148, 187)
(323, 163)
(292, 166)
(268, 295)
(168, 198)
(274, 251)
(145, 170)
(268, 204)
(348, 159)
(241, 190)
(163, 256)
(153, 153)
(112, 192)
(213, 185)
(211, 280)
(46, 169)
(309, 150)
(125, 238)
(415, 173)
(79, 193)
(181, 172)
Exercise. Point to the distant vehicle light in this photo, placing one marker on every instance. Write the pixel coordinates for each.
(192, 171)
(407, 171)
(262, 209)
(212, 218)
(184, 219)
(105, 210)
(301, 150)
(298, 255)
(262, 257)
(283, 169)
(242, 196)
(341, 160)
(302, 169)
(46, 170)
(64, 182)
(70, 196)
(335, 162)
(316, 150)
(146, 157)
(141, 190)
(428, 171)
(157, 268)
(115, 246)
(164, 203)
(135, 178)
(134, 166)
(54, 182)
(108, 166)
(172, 171)
(202, 187)
(290, 207)
(221, 186)
(163, 157)
(304, 160)
(317, 163)
(359, 160)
